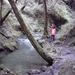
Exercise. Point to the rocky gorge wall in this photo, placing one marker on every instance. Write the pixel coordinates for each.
(33, 15)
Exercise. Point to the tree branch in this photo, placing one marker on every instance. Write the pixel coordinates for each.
(3, 19)
(4, 35)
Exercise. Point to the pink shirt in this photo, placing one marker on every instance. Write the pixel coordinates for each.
(52, 31)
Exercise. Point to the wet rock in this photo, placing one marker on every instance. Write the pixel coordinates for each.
(44, 68)
(34, 71)
(47, 72)
(2, 67)
(12, 46)
(5, 71)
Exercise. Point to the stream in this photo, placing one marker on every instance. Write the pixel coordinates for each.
(24, 58)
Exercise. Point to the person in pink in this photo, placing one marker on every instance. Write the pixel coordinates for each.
(53, 32)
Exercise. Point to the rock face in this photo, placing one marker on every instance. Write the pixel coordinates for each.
(33, 14)
(8, 44)
(60, 13)
(9, 30)
(70, 3)
(7, 39)
(68, 68)
(5, 71)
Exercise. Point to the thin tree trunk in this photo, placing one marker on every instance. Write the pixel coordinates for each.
(3, 19)
(0, 12)
(45, 18)
(22, 8)
(25, 3)
(29, 35)
(1, 2)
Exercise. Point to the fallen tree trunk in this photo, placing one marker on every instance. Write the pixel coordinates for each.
(35, 44)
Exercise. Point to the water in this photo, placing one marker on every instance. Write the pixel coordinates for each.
(24, 58)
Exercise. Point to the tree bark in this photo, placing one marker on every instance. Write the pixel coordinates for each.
(1, 2)
(0, 12)
(35, 44)
(45, 18)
